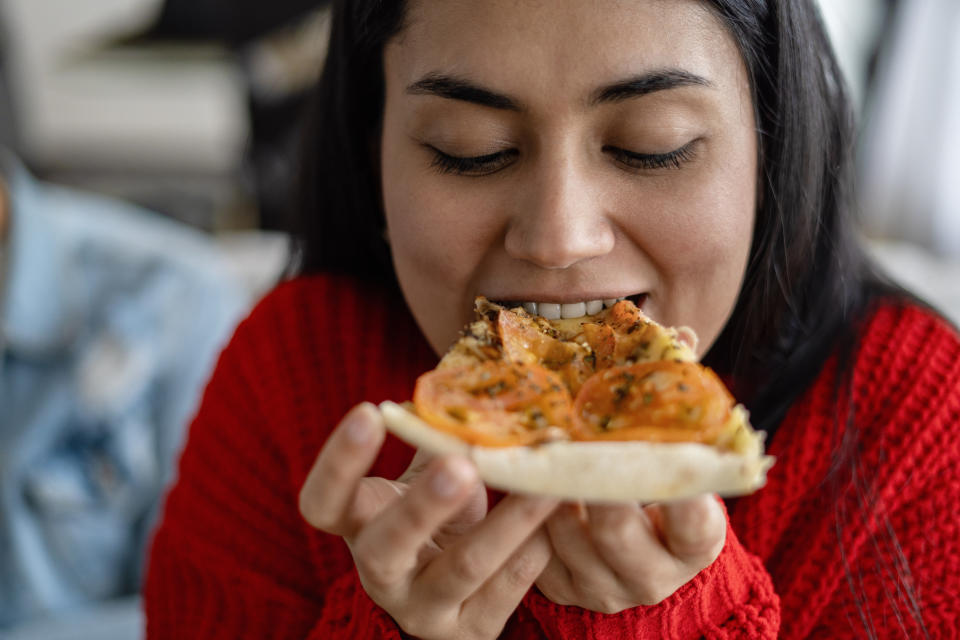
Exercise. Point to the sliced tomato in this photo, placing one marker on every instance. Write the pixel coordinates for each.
(495, 403)
(626, 335)
(603, 342)
(624, 315)
(525, 341)
(661, 401)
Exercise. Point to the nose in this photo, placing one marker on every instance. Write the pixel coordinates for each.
(560, 219)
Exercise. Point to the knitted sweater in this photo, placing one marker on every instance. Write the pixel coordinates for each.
(813, 554)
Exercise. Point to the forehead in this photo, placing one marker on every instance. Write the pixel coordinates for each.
(531, 46)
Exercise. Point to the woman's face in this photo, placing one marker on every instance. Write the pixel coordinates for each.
(564, 152)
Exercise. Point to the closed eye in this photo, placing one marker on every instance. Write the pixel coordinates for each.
(471, 165)
(647, 161)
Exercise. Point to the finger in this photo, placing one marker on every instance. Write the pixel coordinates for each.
(625, 539)
(693, 530)
(500, 595)
(571, 542)
(387, 549)
(421, 459)
(556, 581)
(329, 492)
(473, 559)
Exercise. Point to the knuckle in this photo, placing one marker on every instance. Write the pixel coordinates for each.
(377, 573)
(600, 601)
(610, 607)
(523, 570)
(616, 529)
(465, 565)
(657, 586)
(485, 628)
(376, 578)
(416, 517)
(701, 536)
(653, 596)
(417, 625)
(559, 596)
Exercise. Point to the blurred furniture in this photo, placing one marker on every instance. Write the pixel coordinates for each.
(280, 46)
(910, 189)
(936, 279)
(854, 27)
(162, 125)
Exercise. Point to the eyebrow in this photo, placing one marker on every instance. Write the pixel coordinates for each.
(454, 88)
(646, 83)
(459, 89)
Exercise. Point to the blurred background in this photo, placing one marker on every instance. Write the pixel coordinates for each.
(191, 109)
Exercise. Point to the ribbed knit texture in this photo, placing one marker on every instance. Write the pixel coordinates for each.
(813, 554)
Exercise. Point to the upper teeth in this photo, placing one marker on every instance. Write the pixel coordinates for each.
(556, 310)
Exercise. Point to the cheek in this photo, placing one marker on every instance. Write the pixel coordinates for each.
(440, 237)
(705, 225)
(433, 233)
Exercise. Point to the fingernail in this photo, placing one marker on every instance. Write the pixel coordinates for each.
(359, 429)
(449, 478)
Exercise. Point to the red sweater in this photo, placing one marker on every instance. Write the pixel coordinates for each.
(233, 558)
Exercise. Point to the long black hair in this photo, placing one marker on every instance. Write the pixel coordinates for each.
(808, 283)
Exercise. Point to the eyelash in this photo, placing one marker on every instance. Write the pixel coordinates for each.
(491, 163)
(471, 166)
(647, 161)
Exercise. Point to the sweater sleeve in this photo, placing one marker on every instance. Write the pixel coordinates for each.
(896, 568)
(229, 558)
(350, 613)
(232, 557)
(732, 598)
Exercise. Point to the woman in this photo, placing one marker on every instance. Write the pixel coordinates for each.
(692, 153)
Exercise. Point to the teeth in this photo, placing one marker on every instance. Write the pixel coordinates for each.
(573, 310)
(609, 302)
(549, 310)
(556, 310)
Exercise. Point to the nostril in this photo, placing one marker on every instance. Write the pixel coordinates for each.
(555, 241)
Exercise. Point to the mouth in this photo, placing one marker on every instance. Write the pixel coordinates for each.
(570, 310)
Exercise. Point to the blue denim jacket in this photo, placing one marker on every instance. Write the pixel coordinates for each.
(110, 322)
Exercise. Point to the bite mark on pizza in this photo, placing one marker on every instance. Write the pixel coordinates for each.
(606, 407)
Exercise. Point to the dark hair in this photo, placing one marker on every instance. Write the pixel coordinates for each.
(807, 282)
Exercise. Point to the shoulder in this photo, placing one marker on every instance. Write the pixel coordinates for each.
(314, 347)
(903, 389)
(896, 377)
(904, 345)
(347, 339)
(331, 314)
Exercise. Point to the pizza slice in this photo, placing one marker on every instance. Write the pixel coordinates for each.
(607, 407)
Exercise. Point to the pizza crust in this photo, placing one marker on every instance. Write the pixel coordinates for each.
(633, 471)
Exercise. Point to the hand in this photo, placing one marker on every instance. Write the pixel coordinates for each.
(423, 549)
(608, 558)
